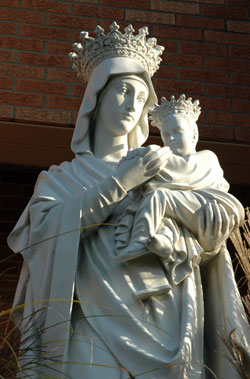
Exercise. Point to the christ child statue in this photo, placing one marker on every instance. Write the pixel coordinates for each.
(173, 199)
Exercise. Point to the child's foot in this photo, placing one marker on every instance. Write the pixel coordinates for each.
(161, 245)
(132, 251)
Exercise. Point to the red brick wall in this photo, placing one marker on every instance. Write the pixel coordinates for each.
(206, 57)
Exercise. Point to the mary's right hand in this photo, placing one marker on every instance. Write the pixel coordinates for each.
(214, 226)
(141, 167)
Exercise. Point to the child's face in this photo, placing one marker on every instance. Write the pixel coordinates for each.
(177, 133)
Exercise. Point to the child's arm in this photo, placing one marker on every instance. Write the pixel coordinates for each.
(196, 171)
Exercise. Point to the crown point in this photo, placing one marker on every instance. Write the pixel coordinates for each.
(84, 35)
(114, 27)
(143, 31)
(181, 105)
(116, 44)
(129, 29)
(99, 30)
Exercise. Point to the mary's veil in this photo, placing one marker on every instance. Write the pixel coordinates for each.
(99, 78)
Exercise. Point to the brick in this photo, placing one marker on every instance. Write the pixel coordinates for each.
(178, 86)
(39, 86)
(215, 103)
(19, 71)
(6, 113)
(14, 202)
(241, 106)
(3, 238)
(175, 6)
(203, 75)
(59, 47)
(6, 56)
(238, 78)
(61, 75)
(216, 133)
(154, 131)
(224, 12)
(243, 135)
(200, 22)
(44, 116)
(227, 64)
(143, 4)
(170, 45)
(47, 6)
(228, 91)
(5, 83)
(44, 60)
(166, 72)
(21, 43)
(45, 32)
(74, 117)
(78, 90)
(181, 60)
(177, 33)
(71, 22)
(202, 48)
(8, 28)
(6, 253)
(10, 189)
(231, 119)
(20, 98)
(86, 1)
(62, 102)
(22, 16)
(214, 1)
(10, 214)
(8, 281)
(239, 52)
(238, 3)
(9, 3)
(156, 17)
(88, 10)
(238, 26)
(226, 37)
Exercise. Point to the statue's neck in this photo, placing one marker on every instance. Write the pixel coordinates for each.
(109, 147)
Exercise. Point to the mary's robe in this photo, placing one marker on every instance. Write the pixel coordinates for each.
(167, 332)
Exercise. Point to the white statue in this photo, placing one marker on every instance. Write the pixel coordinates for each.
(176, 197)
(93, 326)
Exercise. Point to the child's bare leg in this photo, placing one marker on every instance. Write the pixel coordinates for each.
(162, 243)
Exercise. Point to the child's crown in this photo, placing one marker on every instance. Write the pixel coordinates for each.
(181, 105)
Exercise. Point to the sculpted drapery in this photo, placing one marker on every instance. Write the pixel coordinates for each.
(107, 332)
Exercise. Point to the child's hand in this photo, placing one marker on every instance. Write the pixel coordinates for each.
(139, 151)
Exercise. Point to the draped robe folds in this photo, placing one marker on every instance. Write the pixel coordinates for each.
(170, 206)
(113, 328)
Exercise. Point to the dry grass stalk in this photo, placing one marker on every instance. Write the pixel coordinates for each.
(241, 241)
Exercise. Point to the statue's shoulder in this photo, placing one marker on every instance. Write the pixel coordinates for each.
(207, 154)
(55, 175)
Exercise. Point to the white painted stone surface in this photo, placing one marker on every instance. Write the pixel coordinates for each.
(108, 327)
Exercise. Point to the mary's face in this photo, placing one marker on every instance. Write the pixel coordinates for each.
(122, 104)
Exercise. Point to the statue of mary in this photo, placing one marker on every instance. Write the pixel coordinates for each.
(71, 284)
